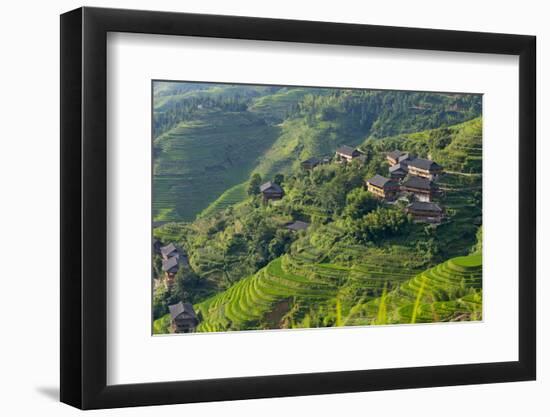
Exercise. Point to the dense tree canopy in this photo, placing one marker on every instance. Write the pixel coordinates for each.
(349, 234)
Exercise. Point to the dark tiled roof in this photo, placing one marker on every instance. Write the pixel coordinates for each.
(297, 225)
(380, 181)
(419, 183)
(170, 263)
(398, 174)
(346, 150)
(426, 164)
(397, 167)
(179, 308)
(395, 154)
(168, 249)
(313, 161)
(270, 185)
(424, 206)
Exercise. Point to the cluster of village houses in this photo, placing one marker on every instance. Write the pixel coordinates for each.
(183, 318)
(409, 177)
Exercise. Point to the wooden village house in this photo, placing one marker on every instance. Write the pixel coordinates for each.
(424, 168)
(183, 318)
(169, 251)
(382, 187)
(396, 156)
(399, 164)
(346, 153)
(310, 163)
(398, 171)
(425, 212)
(271, 191)
(422, 188)
(297, 225)
(170, 268)
(170, 262)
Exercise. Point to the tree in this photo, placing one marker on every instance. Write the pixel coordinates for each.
(279, 178)
(378, 224)
(254, 184)
(160, 307)
(428, 248)
(478, 247)
(280, 243)
(359, 203)
(157, 266)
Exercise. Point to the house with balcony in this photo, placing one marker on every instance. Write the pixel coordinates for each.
(425, 212)
(271, 191)
(421, 188)
(183, 318)
(346, 153)
(425, 168)
(382, 187)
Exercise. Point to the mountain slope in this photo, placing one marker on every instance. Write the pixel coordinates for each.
(200, 159)
(226, 245)
(450, 291)
(209, 138)
(289, 294)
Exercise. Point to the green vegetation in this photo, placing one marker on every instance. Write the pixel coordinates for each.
(191, 169)
(230, 197)
(450, 291)
(162, 325)
(319, 296)
(278, 106)
(211, 137)
(361, 260)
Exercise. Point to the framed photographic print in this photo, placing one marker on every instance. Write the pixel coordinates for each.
(257, 208)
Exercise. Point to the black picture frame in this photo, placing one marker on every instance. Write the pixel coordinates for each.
(84, 207)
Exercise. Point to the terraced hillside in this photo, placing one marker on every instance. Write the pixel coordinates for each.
(300, 290)
(462, 185)
(356, 259)
(275, 107)
(459, 150)
(211, 137)
(300, 139)
(373, 285)
(289, 291)
(169, 95)
(230, 197)
(450, 291)
(191, 165)
(252, 301)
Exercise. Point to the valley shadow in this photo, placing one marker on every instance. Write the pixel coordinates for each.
(50, 392)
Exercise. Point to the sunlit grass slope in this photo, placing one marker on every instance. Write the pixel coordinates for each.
(197, 161)
(230, 197)
(450, 291)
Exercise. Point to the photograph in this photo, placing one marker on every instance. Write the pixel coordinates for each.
(294, 207)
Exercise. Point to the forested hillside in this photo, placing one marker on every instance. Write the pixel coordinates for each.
(361, 261)
(209, 138)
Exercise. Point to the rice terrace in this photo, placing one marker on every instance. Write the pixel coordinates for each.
(280, 207)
